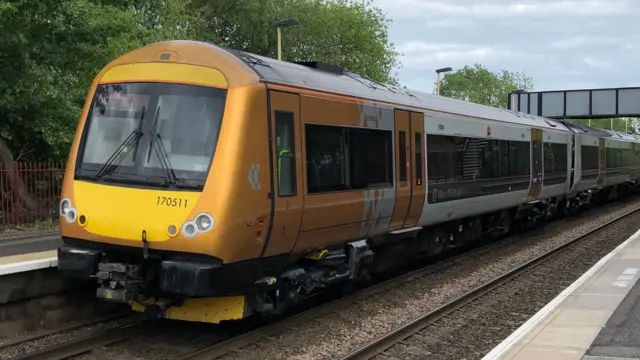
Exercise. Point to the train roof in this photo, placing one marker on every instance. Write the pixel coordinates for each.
(612, 134)
(323, 77)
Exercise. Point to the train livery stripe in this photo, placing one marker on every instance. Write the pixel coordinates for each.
(165, 72)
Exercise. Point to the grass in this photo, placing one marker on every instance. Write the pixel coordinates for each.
(36, 227)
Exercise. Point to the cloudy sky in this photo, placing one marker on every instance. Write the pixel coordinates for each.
(559, 44)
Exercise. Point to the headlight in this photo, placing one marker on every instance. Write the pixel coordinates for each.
(71, 216)
(204, 222)
(65, 206)
(66, 209)
(189, 229)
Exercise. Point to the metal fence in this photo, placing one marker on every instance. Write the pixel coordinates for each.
(29, 192)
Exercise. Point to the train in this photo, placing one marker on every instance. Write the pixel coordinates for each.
(209, 184)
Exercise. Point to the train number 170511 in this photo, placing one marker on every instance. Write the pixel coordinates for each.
(171, 201)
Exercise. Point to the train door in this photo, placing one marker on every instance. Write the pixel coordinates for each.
(287, 165)
(536, 164)
(601, 161)
(572, 165)
(417, 169)
(403, 169)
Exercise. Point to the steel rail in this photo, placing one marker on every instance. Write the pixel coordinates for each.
(62, 330)
(84, 344)
(405, 330)
(219, 349)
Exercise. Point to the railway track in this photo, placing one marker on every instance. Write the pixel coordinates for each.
(86, 343)
(217, 348)
(113, 336)
(398, 336)
(247, 341)
(221, 349)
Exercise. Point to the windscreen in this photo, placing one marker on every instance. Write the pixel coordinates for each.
(152, 131)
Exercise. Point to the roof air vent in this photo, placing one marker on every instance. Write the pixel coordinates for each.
(322, 67)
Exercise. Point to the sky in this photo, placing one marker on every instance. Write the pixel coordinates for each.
(559, 44)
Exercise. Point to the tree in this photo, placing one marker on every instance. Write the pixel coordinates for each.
(478, 85)
(347, 33)
(51, 50)
(49, 54)
(619, 124)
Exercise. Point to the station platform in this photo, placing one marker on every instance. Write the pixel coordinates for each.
(595, 318)
(28, 253)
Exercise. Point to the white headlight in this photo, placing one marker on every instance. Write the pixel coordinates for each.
(189, 229)
(204, 222)
(65, 205)
(71, 215)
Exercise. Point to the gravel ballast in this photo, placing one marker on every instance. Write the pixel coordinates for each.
(361, 322)
(473, 330)
(338, 332)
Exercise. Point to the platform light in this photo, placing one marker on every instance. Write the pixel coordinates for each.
(438, 72)
(279, 25)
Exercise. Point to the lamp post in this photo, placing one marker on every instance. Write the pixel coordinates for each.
(438, 72)
(279, 25)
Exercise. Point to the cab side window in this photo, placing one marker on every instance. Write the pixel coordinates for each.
(285, 153)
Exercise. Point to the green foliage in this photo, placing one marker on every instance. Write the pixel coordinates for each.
(49, 53)
(347, 33)
(478, 85)
(51, 50)
(629, 125)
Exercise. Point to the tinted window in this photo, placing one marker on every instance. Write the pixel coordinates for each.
(589, 157)
(326, 166)
(419, 160)
(555, 158)
(370, 158)
(453, 159)
(402, 151)
(285, 152)
(178, 122)
(340, 158)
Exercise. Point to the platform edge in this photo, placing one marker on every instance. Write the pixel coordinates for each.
(536, 319)
(30, 265)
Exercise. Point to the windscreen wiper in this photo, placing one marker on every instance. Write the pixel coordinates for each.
(163, 158)
(116, 158)
(161, 152)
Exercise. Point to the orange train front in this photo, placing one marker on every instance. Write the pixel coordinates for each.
(168, 199)
(205, 184)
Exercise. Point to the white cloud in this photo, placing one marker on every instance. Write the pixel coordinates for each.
(582, 41)
(560, 44)
(594, 63)
(417, 53)
(503, 8)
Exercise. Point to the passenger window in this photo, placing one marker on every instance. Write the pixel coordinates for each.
(370, 158)
(285, 151)
(455, 159)
(418, 159)
(341, 158)
(402, 149)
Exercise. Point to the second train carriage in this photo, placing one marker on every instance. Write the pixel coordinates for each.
(205, 183)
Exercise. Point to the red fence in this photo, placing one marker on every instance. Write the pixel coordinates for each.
(29, 192)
